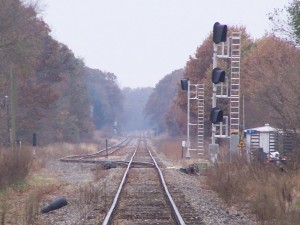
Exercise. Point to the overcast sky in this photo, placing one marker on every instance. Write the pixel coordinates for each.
(141, 41)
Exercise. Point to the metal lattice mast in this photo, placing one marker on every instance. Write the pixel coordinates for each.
(200, 135)
(195, 97)
(235, 82)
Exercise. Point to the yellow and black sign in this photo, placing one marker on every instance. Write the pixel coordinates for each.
(241, 144)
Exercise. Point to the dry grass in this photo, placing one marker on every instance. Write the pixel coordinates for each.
(99, 172)
(32, 204)
(14, 165)
(270, 192)
(20, 206)
(91, 195)
(21, 195)
(57, 151)
(170, 147)
(172, 151)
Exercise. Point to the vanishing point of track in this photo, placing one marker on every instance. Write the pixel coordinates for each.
(143, 197)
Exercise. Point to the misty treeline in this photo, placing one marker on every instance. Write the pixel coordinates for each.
(160, 108)
(270, 81)
(134, 117)
(52, 93)
(269, 85)
(44, 88)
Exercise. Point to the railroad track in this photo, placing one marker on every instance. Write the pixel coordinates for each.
(143, 197)
(94, 157)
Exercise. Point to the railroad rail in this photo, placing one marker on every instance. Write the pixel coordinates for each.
(143, 196)
(90, 158)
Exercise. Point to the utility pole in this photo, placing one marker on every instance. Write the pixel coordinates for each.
(185, 85)
(7, 118)
(214, 98)
(12, 109)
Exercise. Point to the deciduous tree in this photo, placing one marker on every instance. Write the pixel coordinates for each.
(161, 99)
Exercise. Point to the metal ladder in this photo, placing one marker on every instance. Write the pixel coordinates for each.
(200, 132)
(235, 82)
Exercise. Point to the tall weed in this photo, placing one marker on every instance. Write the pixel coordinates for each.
(271, 192)
(14, 165)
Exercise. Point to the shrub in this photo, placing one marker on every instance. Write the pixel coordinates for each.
(14, 165)
(269, 191)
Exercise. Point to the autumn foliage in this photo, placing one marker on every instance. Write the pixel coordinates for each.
(50, 91)
(269, 84)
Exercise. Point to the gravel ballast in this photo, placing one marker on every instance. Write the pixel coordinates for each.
(89, 197)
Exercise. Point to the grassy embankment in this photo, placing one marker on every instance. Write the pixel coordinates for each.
(270, 192)
(24, 180)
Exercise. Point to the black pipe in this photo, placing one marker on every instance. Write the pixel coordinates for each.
(55, 204)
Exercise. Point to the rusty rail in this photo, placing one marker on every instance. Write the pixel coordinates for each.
(176, 215)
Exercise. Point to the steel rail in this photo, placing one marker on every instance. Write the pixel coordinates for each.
(107, 161)
(95, 154)
(116, 198)
(174, 208)
(117, 147)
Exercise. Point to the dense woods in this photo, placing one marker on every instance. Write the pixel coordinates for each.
(269, 82)
(45, 89)
(160, 101)
(48, 90)
(106, 97)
